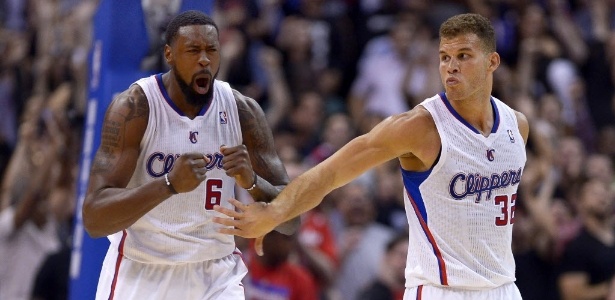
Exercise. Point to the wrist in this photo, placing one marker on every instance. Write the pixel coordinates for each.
(276, 212)
(253, 186)
(169, 184)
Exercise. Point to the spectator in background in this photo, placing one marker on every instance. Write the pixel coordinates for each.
(52, 278)
(274, 276)
(316, 249)
(390, 283)
(304, 122)
(338, 130)
(568, 162)
(379, 87)
(600, 167)
(536, 231)
(157, 14)
(28, 230)
(279, 95)
(588, 264)
(389, 197)
(361, 241)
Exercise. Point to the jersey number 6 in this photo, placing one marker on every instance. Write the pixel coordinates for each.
(213, 193)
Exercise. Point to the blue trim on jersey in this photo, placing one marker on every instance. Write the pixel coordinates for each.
(165, 94)
(412, 181)
(496, 114)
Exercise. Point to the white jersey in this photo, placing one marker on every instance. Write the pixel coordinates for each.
(181, 229)
(461, 211)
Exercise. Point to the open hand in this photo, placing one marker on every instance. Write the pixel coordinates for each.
(249, 220)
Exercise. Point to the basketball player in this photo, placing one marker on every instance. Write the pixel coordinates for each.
(461, 152)
(173, 146)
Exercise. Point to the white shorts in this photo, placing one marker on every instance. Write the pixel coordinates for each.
(124, 279)
(505, 292)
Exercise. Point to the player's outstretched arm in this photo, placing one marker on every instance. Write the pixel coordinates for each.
(392, 138)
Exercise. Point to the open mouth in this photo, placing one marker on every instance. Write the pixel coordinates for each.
(201, 85)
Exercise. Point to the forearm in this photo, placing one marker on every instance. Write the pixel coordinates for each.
(307, 191)
(303, 194)
(110, 210)
(263, 191)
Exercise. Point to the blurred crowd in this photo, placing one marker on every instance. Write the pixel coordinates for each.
(326, 71)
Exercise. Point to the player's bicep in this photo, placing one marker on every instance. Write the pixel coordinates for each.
(122, 131)
(411, 132)
(363, 153)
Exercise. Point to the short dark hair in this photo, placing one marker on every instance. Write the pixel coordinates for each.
(470, 23)
(187, 18)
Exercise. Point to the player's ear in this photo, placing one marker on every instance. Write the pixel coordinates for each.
(168, 55)
(494, 61)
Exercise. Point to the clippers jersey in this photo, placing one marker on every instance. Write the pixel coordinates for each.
(460, 212)
(180, 229)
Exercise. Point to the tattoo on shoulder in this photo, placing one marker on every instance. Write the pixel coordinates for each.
(137, 107)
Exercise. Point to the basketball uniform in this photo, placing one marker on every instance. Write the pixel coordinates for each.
(461, 211)
(174, 251)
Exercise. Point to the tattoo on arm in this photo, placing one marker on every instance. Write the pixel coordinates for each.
(113, 131)
(137, 108)
(110, 141)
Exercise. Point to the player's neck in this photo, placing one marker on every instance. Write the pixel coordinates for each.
(477, 111)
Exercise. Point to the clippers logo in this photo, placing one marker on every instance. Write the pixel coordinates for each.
(223, 118)
(490, 155)
(193, 135)
(463, 185)
(159, 163)
(511, 136)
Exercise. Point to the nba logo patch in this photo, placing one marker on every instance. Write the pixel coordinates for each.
(223, 118)
(511, 136)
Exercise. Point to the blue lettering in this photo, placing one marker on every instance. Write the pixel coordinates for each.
(158, 164)
(476, 184)
(452, 191)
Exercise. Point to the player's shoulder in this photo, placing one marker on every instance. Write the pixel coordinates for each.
(524, 125)
(418, 118)
(246, 104)
(133, 100)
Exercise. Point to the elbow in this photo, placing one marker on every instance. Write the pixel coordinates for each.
(90, 223)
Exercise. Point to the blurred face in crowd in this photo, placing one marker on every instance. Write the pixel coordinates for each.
(599, 166)
(338, 130)
(466, 68)
(596, 200)
(355, 205)
(194, 57)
